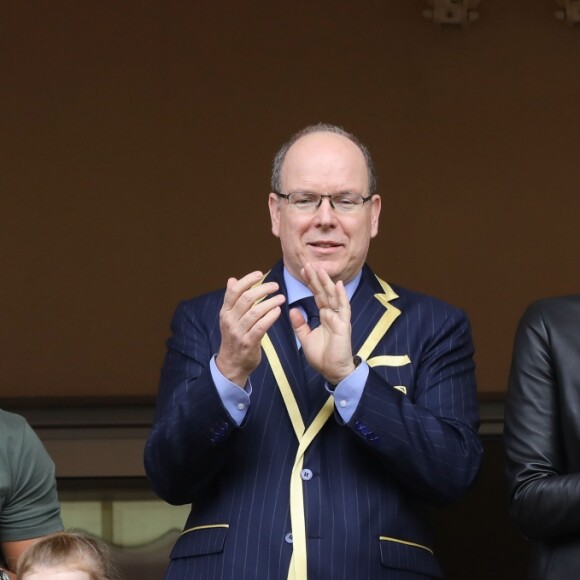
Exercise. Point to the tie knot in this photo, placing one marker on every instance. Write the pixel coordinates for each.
(308, 304)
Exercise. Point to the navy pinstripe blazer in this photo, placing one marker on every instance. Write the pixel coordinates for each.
(351, 502)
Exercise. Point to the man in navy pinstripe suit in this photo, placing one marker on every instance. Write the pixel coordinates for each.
(311, 441)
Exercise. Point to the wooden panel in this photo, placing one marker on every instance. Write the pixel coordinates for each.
(135, 155)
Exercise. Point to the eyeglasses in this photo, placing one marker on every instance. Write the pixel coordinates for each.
(309, 201)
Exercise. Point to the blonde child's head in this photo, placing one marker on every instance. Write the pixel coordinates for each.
(66, 556)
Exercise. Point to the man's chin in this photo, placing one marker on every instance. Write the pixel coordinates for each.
(332, 269)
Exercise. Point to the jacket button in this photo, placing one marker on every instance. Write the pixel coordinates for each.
(288, 537)
(306, 474)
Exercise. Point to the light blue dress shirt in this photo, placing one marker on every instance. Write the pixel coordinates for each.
(347, 393)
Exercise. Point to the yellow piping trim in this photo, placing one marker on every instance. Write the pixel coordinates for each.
(397, 541)
(297, 517)
(380, 329)
(389, 360)
(282, 380)
(208, 527)
(298, 562)
(284, 386)
(390, 294)
(261, 282)
(298, 568)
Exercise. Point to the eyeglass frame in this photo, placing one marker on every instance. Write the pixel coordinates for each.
(321, 198)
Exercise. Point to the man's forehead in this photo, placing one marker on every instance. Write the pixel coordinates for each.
(324, 152)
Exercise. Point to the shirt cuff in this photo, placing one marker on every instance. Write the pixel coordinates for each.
(348, 392)
(235, 400)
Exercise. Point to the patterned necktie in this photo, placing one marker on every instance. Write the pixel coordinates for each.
(314, 380)
(308, 304)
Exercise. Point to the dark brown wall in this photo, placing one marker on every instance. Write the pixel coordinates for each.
(135, 151)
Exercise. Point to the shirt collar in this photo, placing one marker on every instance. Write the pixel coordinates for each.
(296, 290)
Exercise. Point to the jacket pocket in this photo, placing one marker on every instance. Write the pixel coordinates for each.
(406, 555)
(200, 541)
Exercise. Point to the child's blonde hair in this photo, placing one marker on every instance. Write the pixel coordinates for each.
(71, 551)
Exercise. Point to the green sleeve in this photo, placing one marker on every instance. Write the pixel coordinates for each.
(29, 504)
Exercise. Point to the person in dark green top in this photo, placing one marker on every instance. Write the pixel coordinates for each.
(29, 507)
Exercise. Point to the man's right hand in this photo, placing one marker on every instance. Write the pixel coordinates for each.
(243, 323)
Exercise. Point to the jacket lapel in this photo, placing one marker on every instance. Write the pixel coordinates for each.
(372, 316)
(281, 352)
(372, 313)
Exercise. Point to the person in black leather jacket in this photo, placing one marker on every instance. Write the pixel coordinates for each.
(542, 436)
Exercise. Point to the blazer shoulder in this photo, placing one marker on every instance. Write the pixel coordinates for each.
(411, 299)
(201, 312)
(209, 301)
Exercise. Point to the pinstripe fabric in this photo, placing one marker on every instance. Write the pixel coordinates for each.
(365, 504)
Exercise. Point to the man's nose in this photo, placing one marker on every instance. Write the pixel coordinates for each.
(324, 213)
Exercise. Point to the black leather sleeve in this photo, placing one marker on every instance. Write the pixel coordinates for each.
(544, 485)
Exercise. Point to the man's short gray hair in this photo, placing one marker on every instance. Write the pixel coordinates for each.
(276, 181)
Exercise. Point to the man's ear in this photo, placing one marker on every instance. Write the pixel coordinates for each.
(375, 212)
(274, 207)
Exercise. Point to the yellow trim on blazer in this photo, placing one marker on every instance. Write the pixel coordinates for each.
(385, 322)
(389, 360)
(388, 293)
(206, 527)
(298, 563)
(283, 386)
(397, 541)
